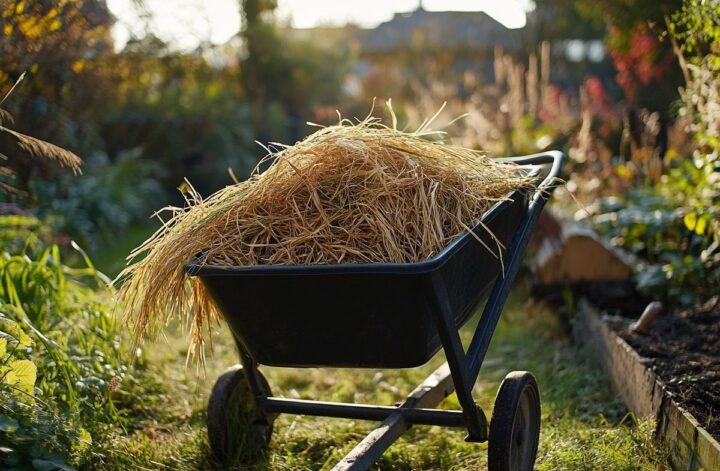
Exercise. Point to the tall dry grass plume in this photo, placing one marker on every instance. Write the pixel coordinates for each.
(32, 146)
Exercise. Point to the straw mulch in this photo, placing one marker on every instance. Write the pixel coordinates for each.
(350, 193)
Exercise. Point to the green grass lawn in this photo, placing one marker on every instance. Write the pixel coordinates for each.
(584, 427)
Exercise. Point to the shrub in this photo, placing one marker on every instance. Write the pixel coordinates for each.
(104, 201)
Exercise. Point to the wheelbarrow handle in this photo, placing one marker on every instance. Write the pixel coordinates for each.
(552, 157)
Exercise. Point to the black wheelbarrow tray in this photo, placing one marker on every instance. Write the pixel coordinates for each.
(387, 316)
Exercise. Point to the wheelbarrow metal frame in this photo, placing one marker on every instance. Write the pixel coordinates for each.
(458, 374)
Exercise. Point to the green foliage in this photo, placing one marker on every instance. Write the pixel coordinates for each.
(184, 113)
(102, 203)
(674, 225)
(564, 19)
(22, 233)
(626, 14)
(60, 354)
(283, 71)
(697, 30)
(670, 229)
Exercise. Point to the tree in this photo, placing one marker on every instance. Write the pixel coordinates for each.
(285, 77)
(563, 19)
(55, 43)
(265, 71)
(633, 29)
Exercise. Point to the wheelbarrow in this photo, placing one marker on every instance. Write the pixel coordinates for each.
(386, 316)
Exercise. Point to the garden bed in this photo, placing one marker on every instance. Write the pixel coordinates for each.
(683, 349)
(669, 373)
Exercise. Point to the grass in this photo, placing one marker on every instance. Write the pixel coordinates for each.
(584, 426)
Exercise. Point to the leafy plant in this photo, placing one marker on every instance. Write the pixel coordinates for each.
(675, 242)
(32, 435)
(60, 361)
(675, 224)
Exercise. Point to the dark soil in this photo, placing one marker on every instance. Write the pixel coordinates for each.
(684, 351)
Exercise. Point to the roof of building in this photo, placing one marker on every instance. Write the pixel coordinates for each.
(422, 29)
(442, 29)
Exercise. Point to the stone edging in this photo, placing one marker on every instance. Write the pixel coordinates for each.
(691, 447)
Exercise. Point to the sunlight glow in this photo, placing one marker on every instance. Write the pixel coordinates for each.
(183, 23)
(370, 13)
(187, 23)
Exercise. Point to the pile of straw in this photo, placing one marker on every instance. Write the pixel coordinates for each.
(350, 193)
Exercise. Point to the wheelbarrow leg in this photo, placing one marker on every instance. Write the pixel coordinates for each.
(459, 366)
(258, 386)
(429, 394)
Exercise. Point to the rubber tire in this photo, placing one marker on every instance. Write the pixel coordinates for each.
(515, 424)
(232, 388)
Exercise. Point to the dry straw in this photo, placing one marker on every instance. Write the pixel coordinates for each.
(351, 193)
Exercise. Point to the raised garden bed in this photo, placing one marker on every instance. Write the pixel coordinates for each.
(671, 376)
(684, 351)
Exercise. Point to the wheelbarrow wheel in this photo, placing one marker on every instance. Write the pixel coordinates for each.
(238, 431)
(515, 424)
